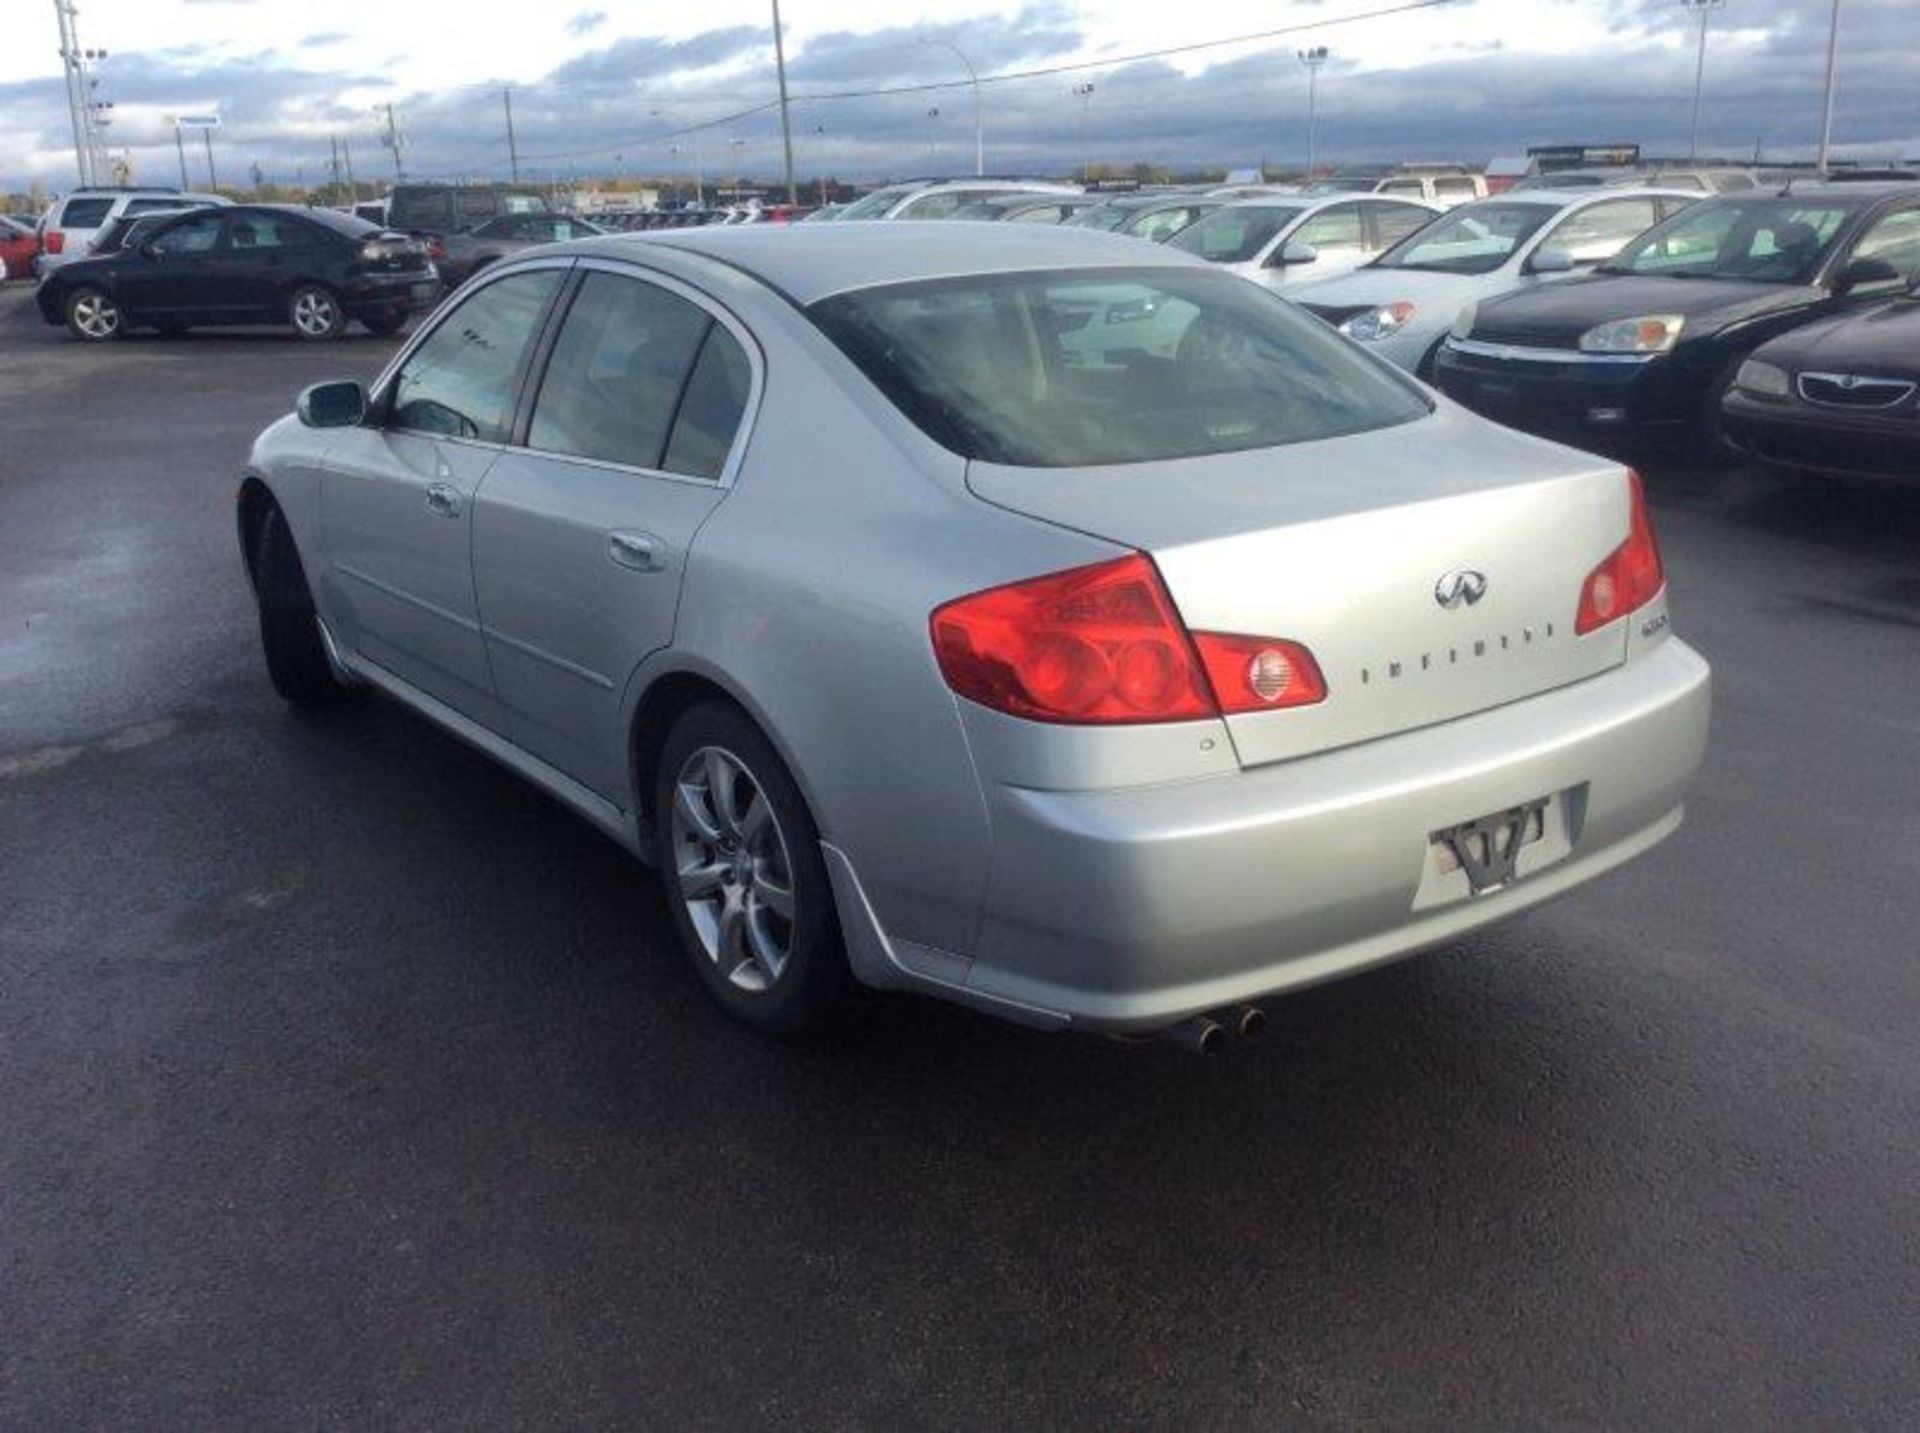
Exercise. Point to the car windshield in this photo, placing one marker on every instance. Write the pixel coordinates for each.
(1473, 239)
(1356, 184)
(877, 203)
(1237, 234)
(1079, 369)
(1101, 216)
(1773, 240)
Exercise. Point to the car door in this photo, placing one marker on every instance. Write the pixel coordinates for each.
(171, 276)
(581, 535)
(263, 257)
(397, 493)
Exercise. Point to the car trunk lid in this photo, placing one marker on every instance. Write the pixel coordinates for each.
(1366, 549)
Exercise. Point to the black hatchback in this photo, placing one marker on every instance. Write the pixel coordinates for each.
(312, 270)
(1644, 347)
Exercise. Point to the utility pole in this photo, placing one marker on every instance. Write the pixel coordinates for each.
(786, 121)
(180, 148)
(979, 128)
(346, 158)
(1702, 8)
(513, 152)
(1826, 116)
(1084, 93)
(213, 180)
(76, 91)
(394, 142)
(1313, 59)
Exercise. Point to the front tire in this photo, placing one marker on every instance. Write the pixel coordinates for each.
(93, 317)
(290, 638)
(740, 868)
(315, 313)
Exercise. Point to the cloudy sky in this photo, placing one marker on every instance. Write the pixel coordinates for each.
(613, 84)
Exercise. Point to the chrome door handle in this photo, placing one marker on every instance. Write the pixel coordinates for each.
(443, 500)
(638, 550)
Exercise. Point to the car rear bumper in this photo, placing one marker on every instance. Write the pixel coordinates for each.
(1129, 910)
(1824, 440)
(406, 292)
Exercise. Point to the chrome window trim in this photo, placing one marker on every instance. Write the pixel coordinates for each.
(1902, 388)
(377, 393)
(720, 314)
(1525, 353)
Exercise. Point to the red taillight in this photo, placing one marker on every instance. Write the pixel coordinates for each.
(1103, 645)
(436, 248)
(1631, 577)
(56, 241)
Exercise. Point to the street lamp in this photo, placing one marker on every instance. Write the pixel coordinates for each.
(1826, 111)
(1702, 8)
(733, 145)
(1084, 92)
(693, 147)
(979, 129)
(933, 138)
(1313, 59)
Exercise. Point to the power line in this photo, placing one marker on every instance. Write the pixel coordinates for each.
(1106, 62)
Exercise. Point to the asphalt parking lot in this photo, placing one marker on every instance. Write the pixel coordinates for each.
(345, 1080)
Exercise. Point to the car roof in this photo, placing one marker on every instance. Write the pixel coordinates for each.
(1589, 194)
(809, 262)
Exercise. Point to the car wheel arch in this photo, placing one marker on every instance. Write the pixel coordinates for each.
(668, 692)
(252, 504)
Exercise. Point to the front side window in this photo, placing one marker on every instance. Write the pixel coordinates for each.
(190, 236)
(1124, 366)
(1600, 230)
(1894, 240)
(617, 373)
(1774, 240)
(1160, 225)
(460, 382)
(1236, 234)
(1393, 222)
(1473, 239)
(1335, 229)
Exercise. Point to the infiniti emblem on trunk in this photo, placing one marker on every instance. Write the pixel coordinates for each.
(1461, 586)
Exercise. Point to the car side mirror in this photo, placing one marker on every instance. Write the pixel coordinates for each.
(1866, 274)
(331, 405)
(150, 250)
(1296, 251)
(1552, 261)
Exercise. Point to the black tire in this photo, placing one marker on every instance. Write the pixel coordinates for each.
(1710, 444)
(813, 989)
(289, 630)
(316, 315)
(1426, 369)
(384, 325)
(93, 316)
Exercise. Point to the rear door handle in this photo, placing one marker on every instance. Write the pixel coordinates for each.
(443, 500)
(638, 550)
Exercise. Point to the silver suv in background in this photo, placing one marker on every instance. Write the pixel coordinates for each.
(69, 227)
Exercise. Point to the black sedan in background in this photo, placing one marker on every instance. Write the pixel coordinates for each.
(470, 252)
(310, 269)
(1839, 396)
(1643, 349)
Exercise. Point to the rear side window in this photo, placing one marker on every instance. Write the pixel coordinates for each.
(1461, 188)
(618, 372)
(268, 231)
(1119, 366)
(84, 213)
(459, 382)
(711, 409)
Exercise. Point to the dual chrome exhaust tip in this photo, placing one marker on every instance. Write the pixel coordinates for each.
(1208, 1034)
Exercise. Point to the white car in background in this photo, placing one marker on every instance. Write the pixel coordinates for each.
(74, 221)
(1402, 304)
(941, 198)
(1287, 240)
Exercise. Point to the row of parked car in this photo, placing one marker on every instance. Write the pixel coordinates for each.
(1778, 320)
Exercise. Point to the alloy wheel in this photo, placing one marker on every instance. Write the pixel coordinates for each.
(313, 313)
(732, 868)
(96, 315)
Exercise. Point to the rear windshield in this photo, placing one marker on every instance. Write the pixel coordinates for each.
(1237, 233)
(1772, 240)
(1473, 239)
(85, 213)
(1078, 369)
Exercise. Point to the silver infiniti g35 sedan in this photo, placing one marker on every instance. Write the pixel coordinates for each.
(1022, 616)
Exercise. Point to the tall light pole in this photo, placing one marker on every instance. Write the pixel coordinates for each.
(933, 139)
(979, 126)
(1084, 93)
(786, 123)
(733, 146)
(1702, 8)
(1826, 114)
(1313, 59)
